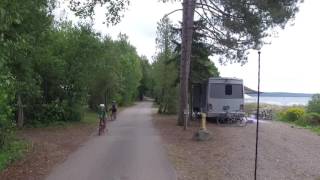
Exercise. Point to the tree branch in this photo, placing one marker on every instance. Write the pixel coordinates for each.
(168, 14)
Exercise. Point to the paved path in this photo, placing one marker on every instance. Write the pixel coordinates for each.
(130, 151)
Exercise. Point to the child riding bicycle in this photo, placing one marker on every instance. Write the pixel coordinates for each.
(102, 119)
(113, 110)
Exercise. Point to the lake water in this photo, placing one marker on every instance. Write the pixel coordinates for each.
(284, 101)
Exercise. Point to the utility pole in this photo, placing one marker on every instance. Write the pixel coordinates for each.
(257, 127)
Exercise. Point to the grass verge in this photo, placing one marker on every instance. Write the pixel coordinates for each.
(18, 147)
(301, 123)
(12, 152)
(277, 113)
(90, 117)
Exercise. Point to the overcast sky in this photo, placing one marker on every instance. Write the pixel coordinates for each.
(289, 64)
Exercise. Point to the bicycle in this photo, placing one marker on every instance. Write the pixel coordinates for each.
(102, 126)
(113, 115)
(232, 119)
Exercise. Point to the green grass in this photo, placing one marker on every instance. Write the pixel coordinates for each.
(12, 152)
(276, 109)
(90, 117)
(313, 128)
(302, 123)
(316, 129)
(252, 107)
(17, 148)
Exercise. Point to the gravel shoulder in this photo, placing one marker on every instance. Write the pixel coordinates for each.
(285, 152)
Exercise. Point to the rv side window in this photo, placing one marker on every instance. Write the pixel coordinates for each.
(228, 89)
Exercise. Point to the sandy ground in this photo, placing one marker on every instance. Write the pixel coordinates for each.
(285, 152)
(131, 150)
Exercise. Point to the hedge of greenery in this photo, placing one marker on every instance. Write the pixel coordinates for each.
(58, 68)
(307, 117)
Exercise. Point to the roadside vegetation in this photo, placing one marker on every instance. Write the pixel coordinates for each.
(307, 117)
(44, 147)
(165, 69)
(12, 152)
(53, 70)
(303, 116)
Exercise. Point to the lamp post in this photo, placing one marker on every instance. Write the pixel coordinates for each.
(257, 127)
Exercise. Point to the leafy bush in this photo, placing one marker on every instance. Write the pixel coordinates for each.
(56, 79)
(54, 113)
(312, 118)
(14, 151)
(44, 114)
(73, 113)
(300, 117)
(291, 114)
(314, 104)
(5, 111)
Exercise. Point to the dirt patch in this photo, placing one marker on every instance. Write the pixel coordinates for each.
(48, 147)
(284, 152)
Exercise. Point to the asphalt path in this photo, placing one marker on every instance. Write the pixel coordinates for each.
(131, 150)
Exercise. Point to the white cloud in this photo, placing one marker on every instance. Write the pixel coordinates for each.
(290, 63)
(140, 23)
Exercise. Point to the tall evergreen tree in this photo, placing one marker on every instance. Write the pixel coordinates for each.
(233, 27)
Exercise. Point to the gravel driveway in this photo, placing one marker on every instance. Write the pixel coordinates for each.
(285, 152)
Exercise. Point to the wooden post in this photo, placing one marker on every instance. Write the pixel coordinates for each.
(20, 120)
(203, 122)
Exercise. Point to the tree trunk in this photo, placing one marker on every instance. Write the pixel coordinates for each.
(187, 31)
(20, 120)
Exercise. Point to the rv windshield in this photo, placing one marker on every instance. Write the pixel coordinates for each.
(228, 91)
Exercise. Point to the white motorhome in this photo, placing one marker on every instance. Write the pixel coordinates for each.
(219, 96)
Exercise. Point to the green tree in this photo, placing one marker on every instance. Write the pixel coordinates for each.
(114, 9)
(201, 67)
(164, 76)
(164, 73)
(6, 94)
(118, 73)
(145, 87)
(233, 27)
(314, 104)
(57, 68)
(26, 24)
(130, 69)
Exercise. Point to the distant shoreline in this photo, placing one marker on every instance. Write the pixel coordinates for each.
(281, 94)
(280, 100)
